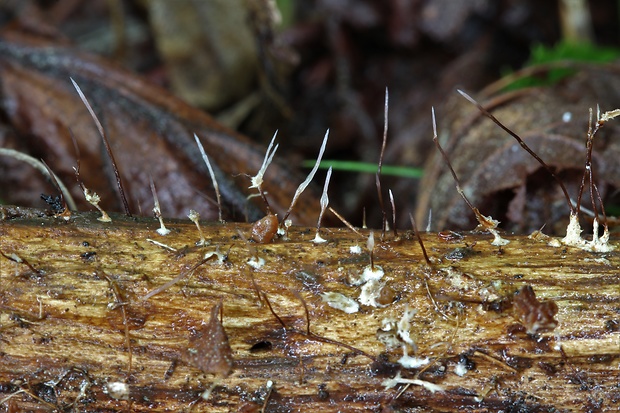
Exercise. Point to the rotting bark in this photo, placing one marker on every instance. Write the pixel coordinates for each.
(70, 308)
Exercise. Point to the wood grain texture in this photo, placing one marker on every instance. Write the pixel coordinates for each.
(63, 322)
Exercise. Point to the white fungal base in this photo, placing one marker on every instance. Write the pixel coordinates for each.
(340, 302)
(371, 290)
(573, 237)
(432, 387)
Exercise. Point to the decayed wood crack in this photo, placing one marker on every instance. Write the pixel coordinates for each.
(442, 337)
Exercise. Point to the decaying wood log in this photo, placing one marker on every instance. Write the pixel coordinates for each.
(85, 324)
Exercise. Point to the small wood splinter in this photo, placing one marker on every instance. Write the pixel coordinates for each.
(487, 223)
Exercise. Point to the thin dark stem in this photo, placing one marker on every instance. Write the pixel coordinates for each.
(523, 145)
(417, 234)
(119, 181)
(378, 175)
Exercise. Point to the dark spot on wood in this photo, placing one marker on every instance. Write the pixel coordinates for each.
(323, 393)
(612, 325)
(88, 256)
(601, 358)
(548, 368)
(383, 367)
(261, 346)
(459, 253)
(44, 392)
(467, 362)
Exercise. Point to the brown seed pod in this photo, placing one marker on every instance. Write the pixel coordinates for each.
(265, 229)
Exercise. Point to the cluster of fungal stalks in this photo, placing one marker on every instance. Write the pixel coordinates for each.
(268, 228)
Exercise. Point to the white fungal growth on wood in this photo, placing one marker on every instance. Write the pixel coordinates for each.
(340, 302)
(404, 325)
(368, 274)
(393, 382)
(410, 362)
(117, 390)
(355, 249)
(597, 244)
(256, 263)
(371, 291)
(461, 368)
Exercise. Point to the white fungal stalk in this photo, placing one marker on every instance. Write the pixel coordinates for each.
(324, 203)
(195, 217)
(216, 187)
(94, 199)
(257, 180)
(162, 230)
(301, 188)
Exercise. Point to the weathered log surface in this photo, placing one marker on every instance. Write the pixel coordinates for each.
(63, 343)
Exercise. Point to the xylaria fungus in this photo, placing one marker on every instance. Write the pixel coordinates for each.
(195, 218)
(417, 235)
(324, 202)
(91, 197)
(384, 222)
(536, 316)
(106, 143)
(486, 223)
(573, 230)
(209, 349)
(257, 180)
(216, 187)
(120, 302)
(94, 199)
(302, 187)
(345, 222)
(162, 230)
(161, 244)
(179, 277)
(393, 213)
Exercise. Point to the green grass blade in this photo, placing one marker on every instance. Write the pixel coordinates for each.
(366, 167)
